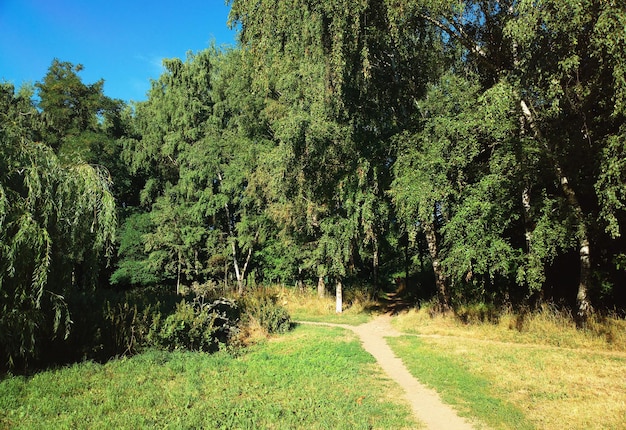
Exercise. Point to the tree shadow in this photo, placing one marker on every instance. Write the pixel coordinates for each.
(393, 303)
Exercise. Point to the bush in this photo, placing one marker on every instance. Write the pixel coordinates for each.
(197, 327)
(263, 306)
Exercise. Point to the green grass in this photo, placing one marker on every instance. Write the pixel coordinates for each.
(471, 394)
(343, 318)
(313, 377)
(516, 386)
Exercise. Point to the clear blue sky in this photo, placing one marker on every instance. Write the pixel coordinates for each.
(120, 41)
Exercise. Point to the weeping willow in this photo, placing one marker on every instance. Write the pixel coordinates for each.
(54, 219)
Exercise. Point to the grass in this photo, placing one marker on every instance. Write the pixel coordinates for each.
(307, 306)
(526, 371)
(546, 326)
(313, 377)
(547, 375)
(472, 395)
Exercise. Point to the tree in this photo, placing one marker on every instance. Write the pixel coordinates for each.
(200, 146)
(539, 49)
(340, 79)
(53, 217)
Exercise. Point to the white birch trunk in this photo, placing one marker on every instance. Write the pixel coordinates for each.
(338, 297)
(582, 300)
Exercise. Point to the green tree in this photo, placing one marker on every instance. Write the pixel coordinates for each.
(199, 145)
(560, 61)
(53, 217)
(340, 80)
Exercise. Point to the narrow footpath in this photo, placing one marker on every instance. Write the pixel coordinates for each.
(425, 402)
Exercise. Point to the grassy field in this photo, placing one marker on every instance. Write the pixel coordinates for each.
(533, 370)
(512, 372)
(306, 306)
(544, 374)
(546, 326)
(313, 377)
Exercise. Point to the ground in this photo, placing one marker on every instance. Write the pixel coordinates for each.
(425, 403)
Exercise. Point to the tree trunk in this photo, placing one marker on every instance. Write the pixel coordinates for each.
(321, 287)
(583, 306)
(300, 282)
(440, 278)
(233, 244)
(528, 229)
(226, 274)
(582, 301)
(244, 271)
(338, 297)
(375, 267)
(178, 269)
(407, 261)
(236, 266)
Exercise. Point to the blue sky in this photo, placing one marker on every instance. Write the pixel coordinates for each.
(120, 41)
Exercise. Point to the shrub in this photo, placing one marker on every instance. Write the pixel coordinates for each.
(197, 327)
(264, 307)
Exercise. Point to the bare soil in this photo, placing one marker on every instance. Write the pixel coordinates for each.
(425, 402)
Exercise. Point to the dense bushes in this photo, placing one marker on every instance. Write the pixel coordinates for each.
(263, 307)
(107, 324)
(197, 327)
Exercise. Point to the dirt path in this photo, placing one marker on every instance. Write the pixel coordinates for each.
(426, 404)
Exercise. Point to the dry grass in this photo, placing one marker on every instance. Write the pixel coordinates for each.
(251, 333)
(547, 326)
(306, 306)
(538, 362)
(555, 388)
(560, 377)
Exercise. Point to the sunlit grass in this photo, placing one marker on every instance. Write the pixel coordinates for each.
(313, 377)
(538, 363)
(470, 393)
(307, 306)
(546, 326)
(519, 386)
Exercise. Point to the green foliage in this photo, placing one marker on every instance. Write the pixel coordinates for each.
(198, 327)
(195, 147)
(127, 323)
(337, 140)
(610, 186)
(57, 222)
(264, 307)
(135, 268)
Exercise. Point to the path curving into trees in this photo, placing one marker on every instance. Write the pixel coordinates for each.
(425, 402)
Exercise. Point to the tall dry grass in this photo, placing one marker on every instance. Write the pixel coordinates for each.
(547, 325)
(539, 362)
(305, 305)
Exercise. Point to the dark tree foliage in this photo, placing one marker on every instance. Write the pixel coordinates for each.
(57, 221)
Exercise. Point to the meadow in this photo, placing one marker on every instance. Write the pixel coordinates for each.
(312, 377)
(532, 371)
(509, 370)
(540, 373)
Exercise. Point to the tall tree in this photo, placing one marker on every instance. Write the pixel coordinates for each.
(200, 147)
(53, 217)
(561, 61)
(340, 78)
